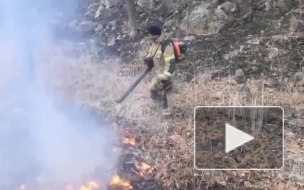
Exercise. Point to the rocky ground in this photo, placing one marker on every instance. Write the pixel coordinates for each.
(241, 53)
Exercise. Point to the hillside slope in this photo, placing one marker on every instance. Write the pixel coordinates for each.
(263, 40)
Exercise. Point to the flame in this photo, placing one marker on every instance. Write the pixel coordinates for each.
(91, 186)
(118, 181)
(128, 138)
(143, 168)
(129, 141)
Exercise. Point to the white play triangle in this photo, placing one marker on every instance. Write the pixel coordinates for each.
(235, 138)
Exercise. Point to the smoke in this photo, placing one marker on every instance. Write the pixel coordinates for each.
(42, 140)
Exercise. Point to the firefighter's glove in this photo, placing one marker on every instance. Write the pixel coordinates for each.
(149, 62)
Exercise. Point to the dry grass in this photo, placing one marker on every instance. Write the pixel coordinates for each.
(168, 144)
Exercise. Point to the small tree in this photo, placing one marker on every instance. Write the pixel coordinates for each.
(132, 24)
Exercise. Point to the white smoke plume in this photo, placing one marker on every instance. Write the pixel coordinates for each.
(42, 140)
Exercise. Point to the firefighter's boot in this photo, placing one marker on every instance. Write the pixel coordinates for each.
(166, 110)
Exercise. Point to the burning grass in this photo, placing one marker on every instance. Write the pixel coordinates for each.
(117, 182)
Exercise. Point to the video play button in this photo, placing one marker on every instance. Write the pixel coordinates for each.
(223, 138)
(235, 138)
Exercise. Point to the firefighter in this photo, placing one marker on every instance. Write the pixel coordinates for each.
(161, 56)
